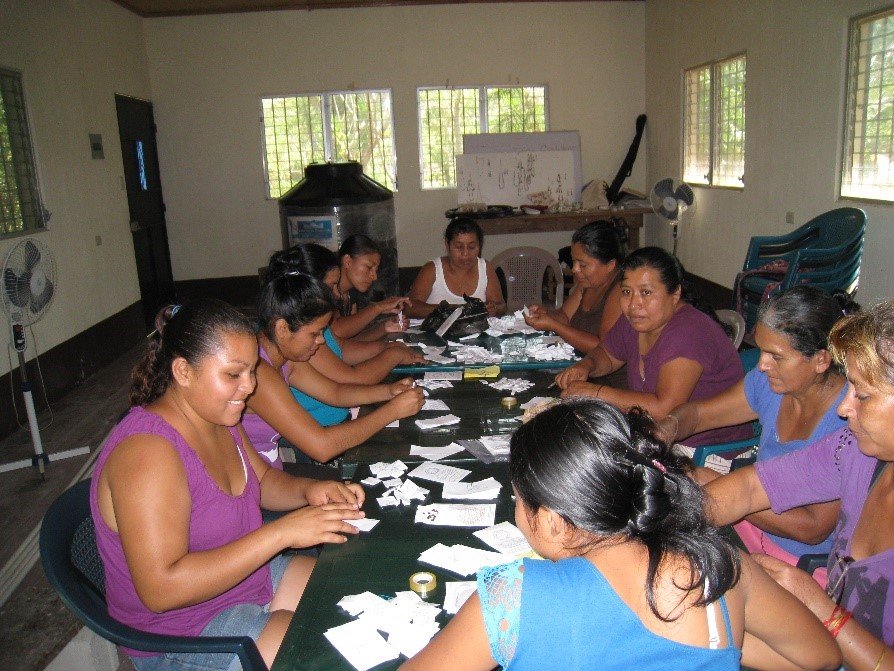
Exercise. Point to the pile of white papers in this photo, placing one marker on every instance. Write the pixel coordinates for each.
(435, 422)
(401, 492)
(483, 489)
(537, 400)
(443, 375)
(474, 354)
(434, 404)
(435, 453)
(383, 469)
(457, 514)
(437, 358)
(514, 385)
(433, 384)
(514, 323)
(543, 352)
(407, 621)
(505, 537)
(438, 472)
(497, 445)
(462, 559)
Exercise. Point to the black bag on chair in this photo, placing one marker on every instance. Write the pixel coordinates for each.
(472, 319)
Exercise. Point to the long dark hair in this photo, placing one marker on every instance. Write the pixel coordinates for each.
(358, 245)
(310, 259)
(606, 474)
(295, 297)
(193, 331)
(805, 315)
(671, 273)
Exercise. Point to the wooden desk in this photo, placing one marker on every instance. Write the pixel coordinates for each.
(569, 221)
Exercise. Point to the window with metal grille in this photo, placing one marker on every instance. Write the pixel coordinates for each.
(867, 171)
(335, 126)
(20, 205)
(714, 123)
(445, 114)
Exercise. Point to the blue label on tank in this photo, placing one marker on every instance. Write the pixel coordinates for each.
(305, 228)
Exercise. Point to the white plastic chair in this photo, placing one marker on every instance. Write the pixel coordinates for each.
(524, 269)
(736, 323)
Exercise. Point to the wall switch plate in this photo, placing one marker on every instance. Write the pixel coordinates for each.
(96, 145)
(790, 217)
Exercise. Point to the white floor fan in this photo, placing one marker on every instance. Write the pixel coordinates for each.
(29, 284)
(670, 200)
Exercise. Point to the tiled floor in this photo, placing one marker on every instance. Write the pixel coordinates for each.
(34, 625)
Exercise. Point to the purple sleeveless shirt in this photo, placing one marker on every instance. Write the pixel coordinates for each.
(215, 520)
(264, 437)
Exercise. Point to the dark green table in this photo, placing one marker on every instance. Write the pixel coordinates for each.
(380, 561)
(489, 342)
(476, 404)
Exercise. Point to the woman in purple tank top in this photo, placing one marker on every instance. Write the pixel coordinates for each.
(177, 491)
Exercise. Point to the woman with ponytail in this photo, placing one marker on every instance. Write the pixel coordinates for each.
(293, 311)
(634, 577)
(177, 491)
(674, 347)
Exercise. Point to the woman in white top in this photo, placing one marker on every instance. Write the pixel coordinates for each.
(462, 271)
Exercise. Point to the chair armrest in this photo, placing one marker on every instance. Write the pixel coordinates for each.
(775, 246)
(811, 562)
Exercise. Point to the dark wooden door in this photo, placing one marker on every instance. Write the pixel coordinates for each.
(136, 128)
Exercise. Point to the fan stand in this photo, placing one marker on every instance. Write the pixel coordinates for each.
(41, 459)
(674, 227)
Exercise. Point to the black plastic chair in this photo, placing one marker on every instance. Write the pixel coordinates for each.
(73, 566)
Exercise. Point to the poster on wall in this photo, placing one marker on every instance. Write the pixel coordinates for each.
(314, 228)
(517, 178)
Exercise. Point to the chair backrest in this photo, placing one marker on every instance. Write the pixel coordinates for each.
(736, 324)
(74, 568)
(524, 269)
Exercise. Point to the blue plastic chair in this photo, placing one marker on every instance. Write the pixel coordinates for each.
(826, 252)
(73, 567)
(749, 360)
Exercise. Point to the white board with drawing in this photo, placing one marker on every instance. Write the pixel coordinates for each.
(511, 178)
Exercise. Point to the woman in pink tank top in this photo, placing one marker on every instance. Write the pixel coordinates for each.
(177, 491)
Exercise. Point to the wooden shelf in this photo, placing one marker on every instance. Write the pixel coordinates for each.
(569, 221)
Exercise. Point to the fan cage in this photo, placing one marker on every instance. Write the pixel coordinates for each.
(29, 281)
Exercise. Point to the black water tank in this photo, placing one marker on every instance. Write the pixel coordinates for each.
(336, 200)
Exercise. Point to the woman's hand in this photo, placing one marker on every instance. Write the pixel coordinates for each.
(799, 583)
(392, 305)
(401, 386)
(321, 492)
(539, 319)
(395, 325)
(313, 525)
(408, 403)
(575, 373)
(494, 308)
(581, 389)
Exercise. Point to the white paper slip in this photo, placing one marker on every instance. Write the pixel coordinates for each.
(457, 514)
(443, 375)
(360, 644)
(411, 638)
(497, 445)
(435, 422)
(483, 489)
(364, 524)
(462, 559)
(434, 404)
(433, 349)
(393, 425)
(456, 594)
(370, 481)
(414, 331)
(386, 501)
(537, 400)
(443, 328)
(414, 322)
(505, 537)
(437, 358)
(438, 472)
(358, 603)
(435, 453)
(385, 469)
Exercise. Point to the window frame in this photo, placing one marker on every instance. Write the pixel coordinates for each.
(483, 120)
(328, 143)
(30, 163)
(849, 120)
(714, 121)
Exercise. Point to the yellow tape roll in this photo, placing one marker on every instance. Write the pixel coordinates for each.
(423, 583)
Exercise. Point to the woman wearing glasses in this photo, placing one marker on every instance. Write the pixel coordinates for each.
(851, 465)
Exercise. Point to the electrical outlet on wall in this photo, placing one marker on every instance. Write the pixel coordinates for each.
(790, 217)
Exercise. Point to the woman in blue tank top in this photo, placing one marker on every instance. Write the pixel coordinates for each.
(634, 577)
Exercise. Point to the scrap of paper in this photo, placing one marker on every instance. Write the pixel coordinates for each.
(393, 425)
(537, 400)
(476, 355)
(505, 537)
(456, 594)
(435, 453)
(384, 469)
(514, 385)
(558, 352)
(497, 445)
(435, 422)
(443, 375)
(364, 524)
(360, 644)
(437, 358)
(462, 559)
(370, 481)
(438, 472)
(406, 492)
(434, 404)
(457, 514)
(431, 385)
(483, 489)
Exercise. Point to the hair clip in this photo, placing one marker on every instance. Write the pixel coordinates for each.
(175, 309)
(657, 464)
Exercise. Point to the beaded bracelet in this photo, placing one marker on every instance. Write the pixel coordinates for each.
(837, 620)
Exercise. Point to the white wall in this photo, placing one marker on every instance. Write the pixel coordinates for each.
(208, 73)
(75, 55)
(795, 87)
